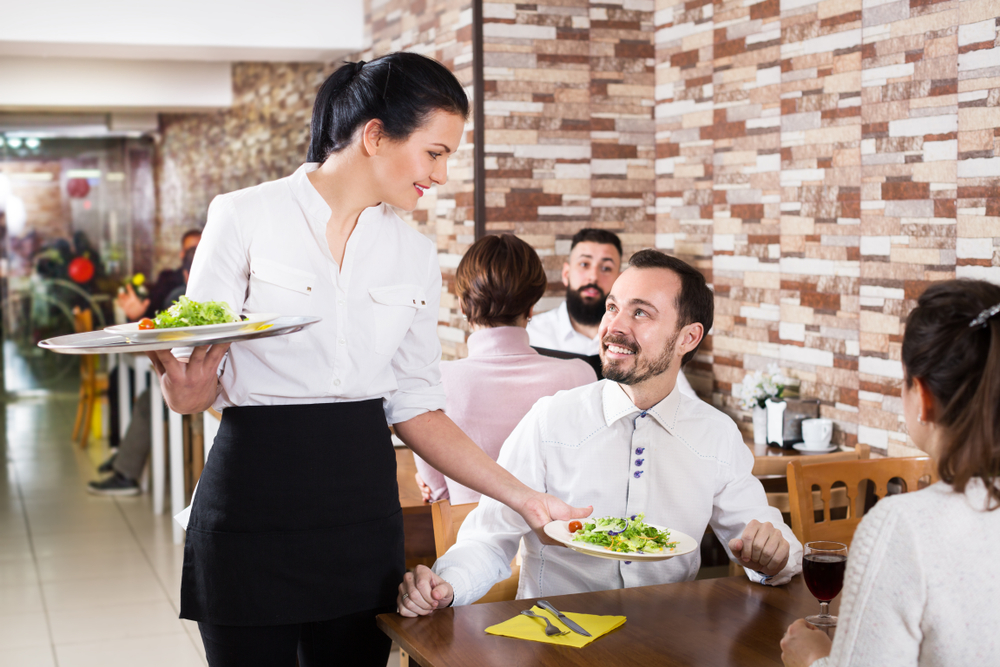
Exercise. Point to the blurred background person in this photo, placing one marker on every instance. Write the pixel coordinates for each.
(127, 463)
(498, 282)
(919, 589)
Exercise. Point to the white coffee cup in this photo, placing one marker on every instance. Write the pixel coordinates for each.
(817, 433)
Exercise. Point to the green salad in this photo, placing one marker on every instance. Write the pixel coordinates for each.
(631, 535)
(188, 313)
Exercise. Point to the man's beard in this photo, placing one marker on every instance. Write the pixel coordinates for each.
(642, 369)
(582, 312)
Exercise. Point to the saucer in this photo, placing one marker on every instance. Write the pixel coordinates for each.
(801, 447)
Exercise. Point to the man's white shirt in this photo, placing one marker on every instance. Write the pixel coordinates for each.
(682, 463)
(553, 330)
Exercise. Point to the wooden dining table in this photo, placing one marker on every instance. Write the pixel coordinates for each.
(725, 621)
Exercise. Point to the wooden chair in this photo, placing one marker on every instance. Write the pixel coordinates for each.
(778, 465)
(447, 519)
(92, 382)
(859, 479)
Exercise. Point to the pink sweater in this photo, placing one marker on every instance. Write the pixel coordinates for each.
(488, 393)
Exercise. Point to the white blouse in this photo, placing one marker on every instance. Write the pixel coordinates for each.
(264, 250)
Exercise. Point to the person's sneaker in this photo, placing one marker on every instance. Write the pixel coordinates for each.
(108, 466)
(116, 485)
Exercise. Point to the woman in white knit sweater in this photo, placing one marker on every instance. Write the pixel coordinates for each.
(922, 583)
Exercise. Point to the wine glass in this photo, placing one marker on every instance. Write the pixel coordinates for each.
(823, 565)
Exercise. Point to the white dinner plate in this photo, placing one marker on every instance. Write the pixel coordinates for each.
(559, 532)
(801, 447)
(133, 332)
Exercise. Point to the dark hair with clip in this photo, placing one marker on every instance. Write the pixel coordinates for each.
(400, 89)
(695, 303)
(961, 367)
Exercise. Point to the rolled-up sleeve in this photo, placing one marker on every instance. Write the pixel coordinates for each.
(416, 363)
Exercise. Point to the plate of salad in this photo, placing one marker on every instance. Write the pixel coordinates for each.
(187, 318)
(621, 538)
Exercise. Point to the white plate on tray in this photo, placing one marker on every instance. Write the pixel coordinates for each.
(133, 332)
(559, 532)
(105, 342)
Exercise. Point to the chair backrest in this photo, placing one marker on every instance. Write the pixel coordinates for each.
(861, 478)
(778, 465)
(83, 320)
(447, 519)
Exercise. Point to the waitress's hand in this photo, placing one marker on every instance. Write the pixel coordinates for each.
(803, 645)
(541, 508)
(189, 386)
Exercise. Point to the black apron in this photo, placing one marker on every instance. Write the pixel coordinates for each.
(296, 518)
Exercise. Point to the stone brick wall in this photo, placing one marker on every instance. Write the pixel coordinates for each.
(822, 162)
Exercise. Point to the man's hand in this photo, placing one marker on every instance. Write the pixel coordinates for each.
(803, 644)
(422, 592)
(541, 508)
(425, 491)
(190, 386)
(132, 305)
(762, 548)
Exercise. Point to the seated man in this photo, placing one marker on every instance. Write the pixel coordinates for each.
(630, 444)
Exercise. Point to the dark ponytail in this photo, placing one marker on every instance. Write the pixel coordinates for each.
(400, 89)
(961, 366)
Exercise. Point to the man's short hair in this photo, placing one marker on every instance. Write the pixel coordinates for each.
(188, 260)
(695, 303)
(592, 235)
(498, 280)
(188, 234)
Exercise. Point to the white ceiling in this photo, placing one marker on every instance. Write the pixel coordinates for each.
(122, 56)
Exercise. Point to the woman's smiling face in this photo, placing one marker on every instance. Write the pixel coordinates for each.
(419, 162)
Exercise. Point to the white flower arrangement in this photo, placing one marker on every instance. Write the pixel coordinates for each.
(759, 386)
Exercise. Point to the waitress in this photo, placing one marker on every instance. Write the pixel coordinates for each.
(295, 540)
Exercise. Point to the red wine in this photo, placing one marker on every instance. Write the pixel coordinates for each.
(824, 574)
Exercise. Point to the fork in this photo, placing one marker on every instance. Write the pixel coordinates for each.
(550, 630)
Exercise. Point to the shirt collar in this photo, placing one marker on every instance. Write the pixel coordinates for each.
(566, 329)
(617, 405)
(313, 205)
(499, 341)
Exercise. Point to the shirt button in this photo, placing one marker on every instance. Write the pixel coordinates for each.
(638, 462)
(340, 302)
(336, 383)
(342, 341)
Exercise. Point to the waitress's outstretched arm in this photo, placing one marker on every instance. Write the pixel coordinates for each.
(190, 386)
(440, 442)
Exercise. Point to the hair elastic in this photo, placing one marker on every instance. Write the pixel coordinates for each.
(984, 316)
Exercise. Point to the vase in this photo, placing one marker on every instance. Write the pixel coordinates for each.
(759, 425)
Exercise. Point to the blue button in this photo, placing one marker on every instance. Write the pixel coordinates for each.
(640, 450)
(638, 462)
(637, 473)
(627, 562)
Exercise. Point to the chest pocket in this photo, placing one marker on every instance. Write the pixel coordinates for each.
(394, 307)
(278, 288)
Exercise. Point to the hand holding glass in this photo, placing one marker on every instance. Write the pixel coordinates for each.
(823, 565)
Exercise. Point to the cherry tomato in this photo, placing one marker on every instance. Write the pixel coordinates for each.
(146, 323)
(575, 526)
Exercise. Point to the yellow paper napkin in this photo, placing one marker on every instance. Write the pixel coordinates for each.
(532, 629)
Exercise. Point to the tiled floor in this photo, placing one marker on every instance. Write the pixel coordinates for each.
(84, 580)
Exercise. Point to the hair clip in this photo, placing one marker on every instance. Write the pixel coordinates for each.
(984, 316)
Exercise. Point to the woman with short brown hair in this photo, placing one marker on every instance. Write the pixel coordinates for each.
(498, 282)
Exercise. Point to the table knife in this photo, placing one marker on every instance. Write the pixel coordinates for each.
(566, 620)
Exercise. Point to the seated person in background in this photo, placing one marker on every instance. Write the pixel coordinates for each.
(127, 464)
(498, 281)
(919, 588)
(595, 260)
(168, 282)
(630, 444)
